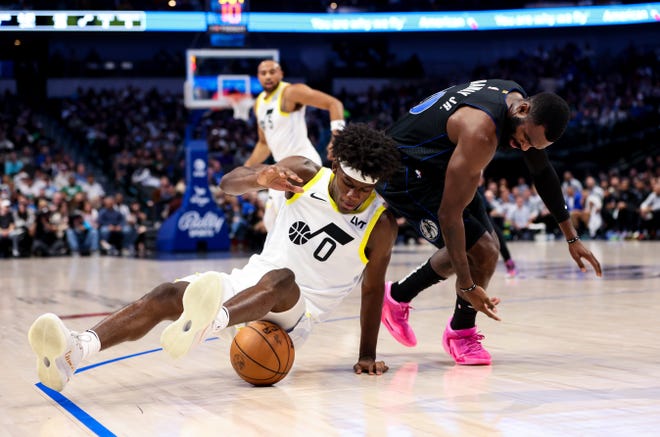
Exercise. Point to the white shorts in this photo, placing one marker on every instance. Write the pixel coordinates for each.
(297, 321)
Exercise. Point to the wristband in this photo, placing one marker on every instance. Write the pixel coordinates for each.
(573, 240)
(469, 289)
(337, 125)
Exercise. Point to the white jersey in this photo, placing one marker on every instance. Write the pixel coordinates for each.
(285, 132)
(322, 246)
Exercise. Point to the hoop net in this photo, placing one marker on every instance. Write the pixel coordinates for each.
(241, 104)
(236, 89)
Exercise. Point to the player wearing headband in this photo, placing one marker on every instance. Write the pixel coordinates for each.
(332, 233)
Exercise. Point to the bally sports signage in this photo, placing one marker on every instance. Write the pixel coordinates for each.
(198, 224)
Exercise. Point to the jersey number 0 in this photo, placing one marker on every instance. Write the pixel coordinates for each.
(299, 234)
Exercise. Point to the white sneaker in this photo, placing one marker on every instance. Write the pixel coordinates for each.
(201, 302)
(58, 350)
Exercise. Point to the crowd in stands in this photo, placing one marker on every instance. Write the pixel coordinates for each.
(121, 172)
(610, 205)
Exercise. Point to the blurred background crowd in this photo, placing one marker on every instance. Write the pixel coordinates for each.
(98, 170)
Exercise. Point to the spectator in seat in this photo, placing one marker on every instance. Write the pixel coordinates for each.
(111, 223)
(82, 237)
(650, 213)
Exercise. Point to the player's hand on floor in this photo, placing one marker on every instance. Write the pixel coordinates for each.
(578, 251)
(370, 366)
(481, 302)
(279, 178)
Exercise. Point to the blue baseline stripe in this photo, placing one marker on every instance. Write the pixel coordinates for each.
(76, 411)
(102, 363)
(125, 357)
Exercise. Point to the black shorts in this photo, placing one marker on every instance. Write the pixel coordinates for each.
(415, 194)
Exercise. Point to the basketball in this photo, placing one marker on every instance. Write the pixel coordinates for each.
(262, 353)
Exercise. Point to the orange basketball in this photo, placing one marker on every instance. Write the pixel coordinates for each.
(262, 353)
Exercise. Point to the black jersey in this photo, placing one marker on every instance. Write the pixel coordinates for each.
(422, 132)
(421, 135)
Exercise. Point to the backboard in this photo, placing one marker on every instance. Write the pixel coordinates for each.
(223, 78)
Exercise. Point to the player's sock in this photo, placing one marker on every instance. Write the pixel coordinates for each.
(221, 320)
(90, 343)
(420, 279)
(465, 316)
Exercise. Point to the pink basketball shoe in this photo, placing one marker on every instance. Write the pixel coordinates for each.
(511, 270)
(395, 318)
(464, 345)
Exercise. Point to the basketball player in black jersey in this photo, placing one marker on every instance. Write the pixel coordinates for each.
(446, 141)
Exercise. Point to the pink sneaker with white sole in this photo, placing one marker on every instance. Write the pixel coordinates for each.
(464, 345)
(395, 318)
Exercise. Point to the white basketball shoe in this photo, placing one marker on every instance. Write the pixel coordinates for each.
(201, 302)
(59, 350)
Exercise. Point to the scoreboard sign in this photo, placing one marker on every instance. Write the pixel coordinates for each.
(124, 21)
(227, 16)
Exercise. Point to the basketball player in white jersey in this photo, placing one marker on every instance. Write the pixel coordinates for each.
(332, 233)
(282, 130)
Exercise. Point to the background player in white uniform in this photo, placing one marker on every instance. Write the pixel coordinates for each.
(332, 232)
(282, 129)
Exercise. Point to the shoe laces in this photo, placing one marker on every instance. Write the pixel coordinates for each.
(472, 343)
(403, 310)
(80, 338)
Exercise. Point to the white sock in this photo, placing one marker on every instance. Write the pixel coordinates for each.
(221, 320)
(90, 343)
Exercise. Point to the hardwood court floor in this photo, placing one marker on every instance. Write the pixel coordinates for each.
(573, 356)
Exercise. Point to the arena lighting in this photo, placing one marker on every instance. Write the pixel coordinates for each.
(455, 21)
(145, 21)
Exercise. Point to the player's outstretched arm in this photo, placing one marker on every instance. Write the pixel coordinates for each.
(549, 188)
(290, 174)
(378, 252)
(301, 94)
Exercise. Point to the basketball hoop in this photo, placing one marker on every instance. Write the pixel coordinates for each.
(236, 88)
(241, 104)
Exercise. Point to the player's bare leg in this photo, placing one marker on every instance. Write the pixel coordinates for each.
(59, 351)
(276, 292)
(135, 320)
